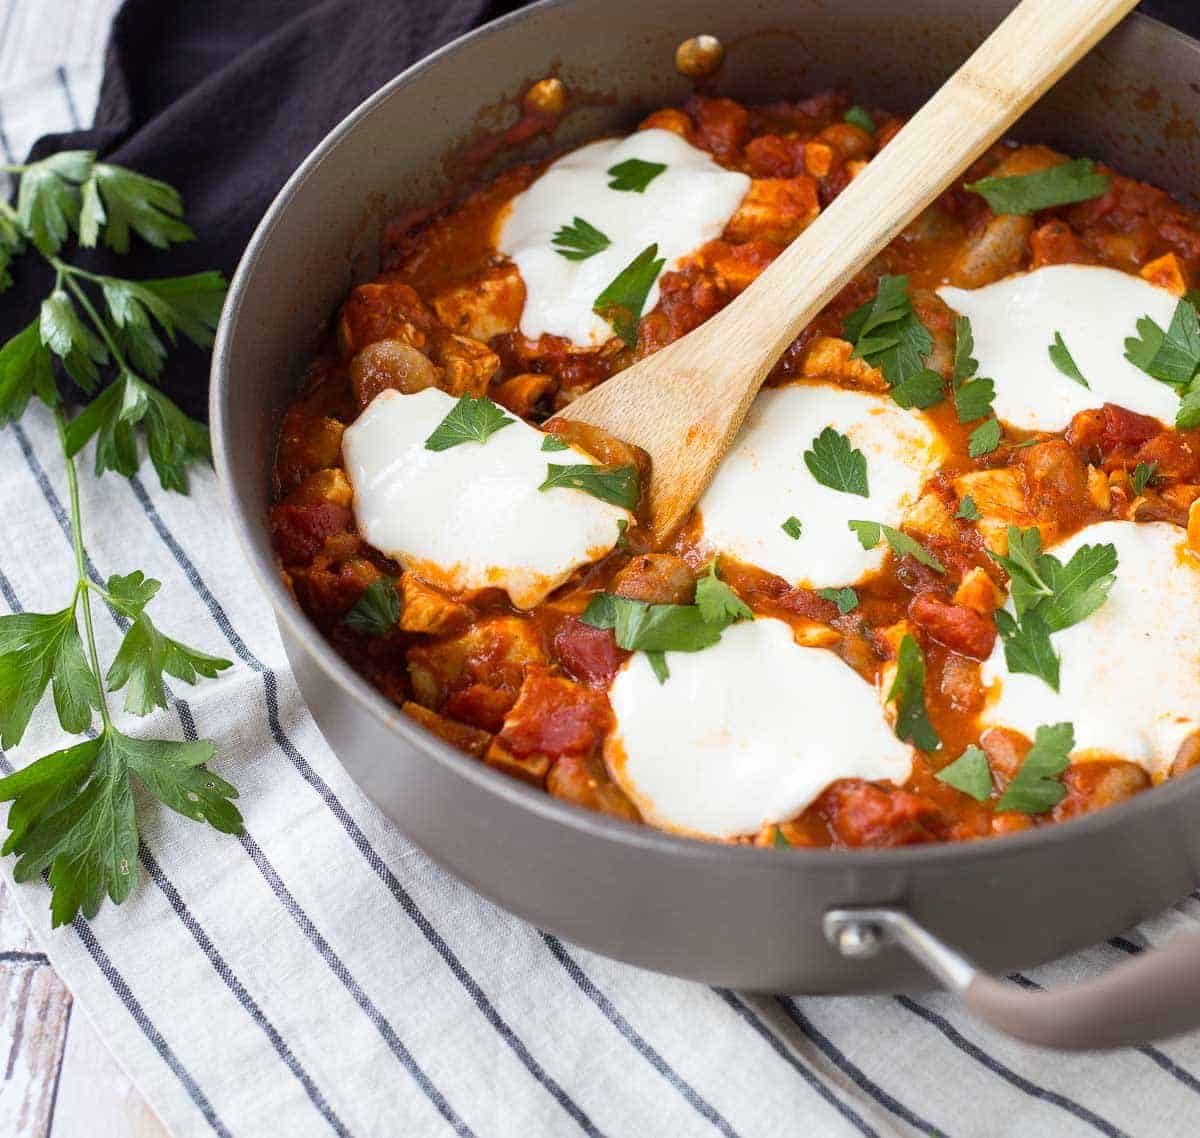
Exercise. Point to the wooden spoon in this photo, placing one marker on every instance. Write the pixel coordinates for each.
(685, 403)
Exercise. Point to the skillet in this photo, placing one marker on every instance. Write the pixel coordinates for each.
(800, 920)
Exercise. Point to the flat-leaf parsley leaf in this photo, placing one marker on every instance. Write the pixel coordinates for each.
(1074, 181)
(969, 773)
(579, 240)
(1061, 358)
(634, 174)
(908, 694)
(1037, 787)
(377, 610)
(835, 462)
(618, 485)
(473, 419)
(845, 599)
(622, 301)
(870, 533)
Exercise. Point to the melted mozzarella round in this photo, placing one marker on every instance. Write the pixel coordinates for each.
(745, 733)
(470, 517)
(1130, 673)
(1095, 309)
(682, 208)
(763, 481)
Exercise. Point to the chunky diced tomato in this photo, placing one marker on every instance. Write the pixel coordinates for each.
(1126, 428)
(583, 780)
(299, 532)
(1056, 243)
(553, 716)
(382, 310)
(772, 156)
(722, 126)
(589, 654)
(862, 813)
(1177, 454)
(959, 628)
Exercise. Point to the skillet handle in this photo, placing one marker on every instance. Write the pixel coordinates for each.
(1153, 997)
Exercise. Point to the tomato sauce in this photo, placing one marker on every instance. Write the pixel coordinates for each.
(525, 692)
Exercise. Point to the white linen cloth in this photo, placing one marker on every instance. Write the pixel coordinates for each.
(321, 975)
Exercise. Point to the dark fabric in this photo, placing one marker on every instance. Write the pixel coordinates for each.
(224, 98)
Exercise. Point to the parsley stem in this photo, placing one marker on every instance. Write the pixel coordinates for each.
(86, 304)
(13, 169)
(82, 582)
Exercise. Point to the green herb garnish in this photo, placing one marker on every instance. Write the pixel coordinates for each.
(969, 773)
(792, 527)
(473, 419)
(845, 599)
(634, 174)
(967, 510)
(870, 533)
(1037, 787)
(1047, 597)
(887, 333)
(1075, 181)
(554, 443)
(579, 240)
(654, 629)
(618, 485)
(1173, 357)
(717, 602)
(857, 116)
(985, 438)
(377, 611)
(924, 389)
(621, 303)
(908, 694)
(1144, 474)
(835, 462)
(1061, 358)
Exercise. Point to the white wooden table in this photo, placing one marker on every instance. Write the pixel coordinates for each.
(60, 1081)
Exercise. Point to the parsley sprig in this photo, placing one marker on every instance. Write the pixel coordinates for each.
(834, 461)
(656, 629)
(1068, 182)
(973, 394)
(1047, 597)
(888, 334)
(1037, 785)
(1172, 356)
(72, 813)
(634, 175)
(969, 773)
(870, 534)
(579, 240)
(622, 301)
(473, 419)
(908, 694)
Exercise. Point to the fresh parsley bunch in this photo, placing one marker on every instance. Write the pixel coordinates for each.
(72, 810)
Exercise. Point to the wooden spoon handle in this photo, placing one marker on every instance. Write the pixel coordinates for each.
(1037, 43)
(685, 404)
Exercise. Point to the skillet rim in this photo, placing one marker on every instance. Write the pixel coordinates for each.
(249, 531)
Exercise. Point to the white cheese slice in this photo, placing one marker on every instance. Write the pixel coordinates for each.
(471, 517)
(763, 481)
(682, 208)
(745, 733)
(1095, 309)
(1130, 674)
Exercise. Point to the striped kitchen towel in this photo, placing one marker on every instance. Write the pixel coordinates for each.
(321, 975)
